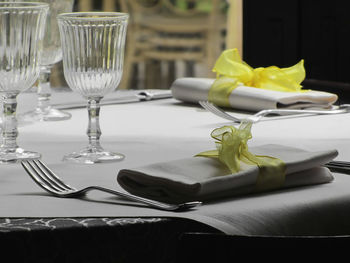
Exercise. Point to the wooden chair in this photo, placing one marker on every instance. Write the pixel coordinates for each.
(88, 5)
(162, 31)
(137, 36)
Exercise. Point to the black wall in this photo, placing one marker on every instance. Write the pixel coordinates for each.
(281, 32)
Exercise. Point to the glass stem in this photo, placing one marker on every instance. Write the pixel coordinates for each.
(94, 131)
(9, 131)
(44, 91)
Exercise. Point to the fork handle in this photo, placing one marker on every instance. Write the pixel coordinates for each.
(304, 111)
(153, 203)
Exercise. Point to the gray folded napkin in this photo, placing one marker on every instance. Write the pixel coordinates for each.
(200, 178)
(249, 98)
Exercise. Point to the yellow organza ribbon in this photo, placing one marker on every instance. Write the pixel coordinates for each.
(232, 71)
(232, 149)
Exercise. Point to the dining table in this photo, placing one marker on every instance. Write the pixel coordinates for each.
(48, 229)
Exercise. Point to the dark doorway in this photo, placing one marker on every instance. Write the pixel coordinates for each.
(281, 33)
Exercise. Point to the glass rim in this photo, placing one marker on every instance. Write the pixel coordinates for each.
(23, 5)
(96, 16)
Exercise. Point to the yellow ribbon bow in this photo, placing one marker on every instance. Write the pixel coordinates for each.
(232, 149)
(232, 71)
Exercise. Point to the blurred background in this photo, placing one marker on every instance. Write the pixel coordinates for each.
(168, 39)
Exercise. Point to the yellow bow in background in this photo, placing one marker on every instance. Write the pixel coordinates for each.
(232, 149)
(232, 71)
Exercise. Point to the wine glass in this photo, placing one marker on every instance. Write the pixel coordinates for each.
(93, 46)
(51, 54)
(21, 34)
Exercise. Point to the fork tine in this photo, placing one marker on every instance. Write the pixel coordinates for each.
(216, 110)
(209, 106)
(212, 108)
(221, 113)
(40, 173)
(51, 176)
(36, 177)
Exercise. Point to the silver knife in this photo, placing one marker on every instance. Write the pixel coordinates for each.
(140, 96)
(338, 166)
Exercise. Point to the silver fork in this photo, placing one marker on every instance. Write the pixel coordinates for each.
(50, 182)
(257, 117)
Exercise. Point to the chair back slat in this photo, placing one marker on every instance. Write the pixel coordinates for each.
(85, 5)
(191, 7)
(234, 28)
(141, 6)
(109, 5)
(88, 5)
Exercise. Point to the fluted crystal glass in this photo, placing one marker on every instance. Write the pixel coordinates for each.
(51, 54)
(21, 35)
(93, 46)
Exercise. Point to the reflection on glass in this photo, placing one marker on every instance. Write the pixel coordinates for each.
(21, 34)
(93, 52)
(51, 54)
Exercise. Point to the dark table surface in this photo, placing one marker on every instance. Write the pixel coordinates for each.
(94, 239)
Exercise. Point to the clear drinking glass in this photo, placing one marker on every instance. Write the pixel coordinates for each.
(21, 35)
(51, 54)
(93, 55)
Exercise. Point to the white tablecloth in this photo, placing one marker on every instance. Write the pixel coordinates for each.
(149, 132)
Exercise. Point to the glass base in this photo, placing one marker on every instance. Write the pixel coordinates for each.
(91, 156)
(17, 155)
(49, 114)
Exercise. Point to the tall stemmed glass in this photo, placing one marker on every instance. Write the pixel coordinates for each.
(21, 34)
(51, 54)
(93, 54)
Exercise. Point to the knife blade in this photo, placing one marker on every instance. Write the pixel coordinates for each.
(138, 97)
(338, 166)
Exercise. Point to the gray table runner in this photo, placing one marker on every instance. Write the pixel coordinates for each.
(162, 131)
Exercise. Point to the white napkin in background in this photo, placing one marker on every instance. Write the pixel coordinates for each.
(249, 98)
(200, 178)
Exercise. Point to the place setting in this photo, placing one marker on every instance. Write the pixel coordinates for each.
(93, 74)
(261, 91)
